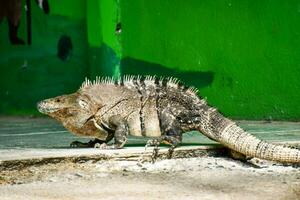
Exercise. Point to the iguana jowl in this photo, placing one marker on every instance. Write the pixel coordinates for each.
(149, 106)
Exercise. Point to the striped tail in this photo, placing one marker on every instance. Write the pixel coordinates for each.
(226, 132)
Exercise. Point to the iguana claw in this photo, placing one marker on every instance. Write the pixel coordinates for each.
(104, 146)
(155, 143)
(90, 144)
(77, 144)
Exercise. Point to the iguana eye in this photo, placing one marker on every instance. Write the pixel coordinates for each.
(83, 104)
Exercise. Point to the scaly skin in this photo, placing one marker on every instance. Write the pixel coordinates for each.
(164, 109)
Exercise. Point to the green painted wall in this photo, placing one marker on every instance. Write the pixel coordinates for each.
(31, 73)
(104, 42)
(243, 55)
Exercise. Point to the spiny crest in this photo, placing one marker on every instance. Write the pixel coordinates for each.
(131, 80)
(97, 81)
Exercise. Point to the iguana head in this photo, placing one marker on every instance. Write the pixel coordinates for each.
(94, 102)
(75, 111)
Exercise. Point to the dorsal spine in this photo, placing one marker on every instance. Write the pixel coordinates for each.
(130, 79)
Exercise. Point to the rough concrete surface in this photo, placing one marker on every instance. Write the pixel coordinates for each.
(188, 178)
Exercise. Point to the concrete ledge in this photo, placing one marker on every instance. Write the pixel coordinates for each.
(14, 159)
(18, 159)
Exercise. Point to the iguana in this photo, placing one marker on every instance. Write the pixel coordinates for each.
(160, 108)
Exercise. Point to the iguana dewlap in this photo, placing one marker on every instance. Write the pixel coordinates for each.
(149, 106)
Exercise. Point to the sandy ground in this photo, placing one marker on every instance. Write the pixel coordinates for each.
(189, 178)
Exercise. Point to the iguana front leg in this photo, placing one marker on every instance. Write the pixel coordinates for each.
(92, 143)
(120, 135)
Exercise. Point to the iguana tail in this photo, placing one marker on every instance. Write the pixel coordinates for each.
(226, 132)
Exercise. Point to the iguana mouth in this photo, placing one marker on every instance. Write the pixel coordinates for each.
(44, 108)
